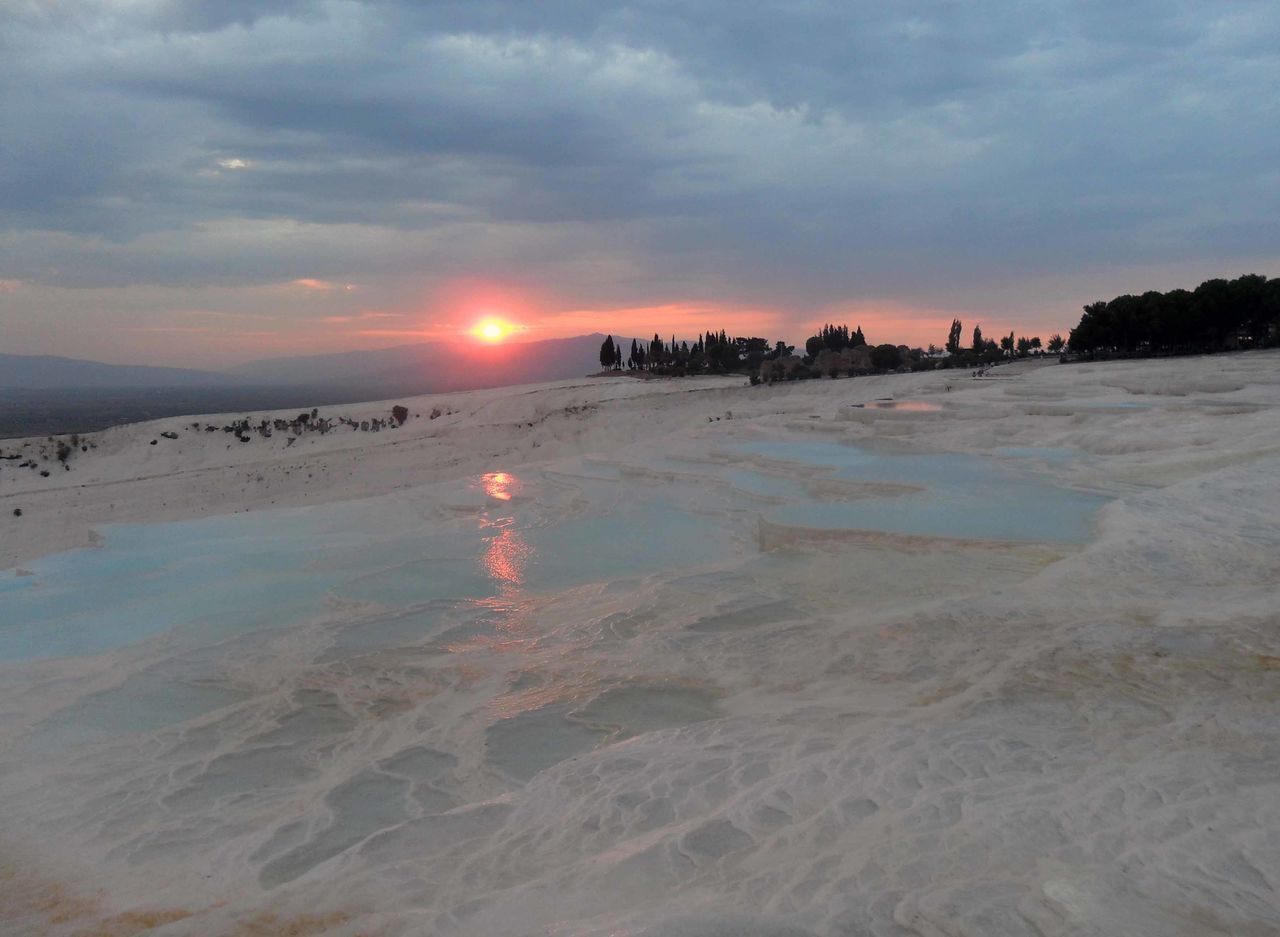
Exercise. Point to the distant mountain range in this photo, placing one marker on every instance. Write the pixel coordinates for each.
(427, 367)
(432, 367)
(43, 394)
(47, 372)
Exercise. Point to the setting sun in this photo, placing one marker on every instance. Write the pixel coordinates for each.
(491, 330)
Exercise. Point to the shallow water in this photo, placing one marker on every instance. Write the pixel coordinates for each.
(291, 694)
(446, 569)
(144, 702)
(209, 579)
(905, 406)
(961, 496)
(1049, 454)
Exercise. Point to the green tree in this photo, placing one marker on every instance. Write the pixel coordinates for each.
(1056, 343)
(886, 357)
(657, 354)
(953, 337)
(978, 343)
(607, 352)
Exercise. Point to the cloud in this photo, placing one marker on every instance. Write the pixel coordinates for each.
(321, 286)
(362, 317)
(176, 329)
(684, 320)
(742, 156)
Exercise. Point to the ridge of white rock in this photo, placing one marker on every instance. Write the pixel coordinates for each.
(660, 658)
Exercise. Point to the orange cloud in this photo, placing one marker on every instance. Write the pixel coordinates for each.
(178, 329)
(901, 324)
(362, 317)
(454, 312)
(456, 306)
(423, 334)
(684, 320)
(322, 286)
(220, 314)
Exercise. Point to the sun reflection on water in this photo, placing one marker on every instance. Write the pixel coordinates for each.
(499, 485)
(505, 557)
(506, 551)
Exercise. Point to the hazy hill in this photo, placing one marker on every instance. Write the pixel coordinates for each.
(48, 372)
(433, 366)
(41, 394)
(424, 367)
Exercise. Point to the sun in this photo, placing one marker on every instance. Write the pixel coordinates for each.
(491, 330)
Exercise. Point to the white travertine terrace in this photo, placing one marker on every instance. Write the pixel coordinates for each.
(655, 658)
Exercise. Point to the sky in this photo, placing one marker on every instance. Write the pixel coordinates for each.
(205, 182)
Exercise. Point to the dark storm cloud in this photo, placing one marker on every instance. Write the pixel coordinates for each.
(803, 150)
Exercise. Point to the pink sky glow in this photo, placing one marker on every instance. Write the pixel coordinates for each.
(214, 327)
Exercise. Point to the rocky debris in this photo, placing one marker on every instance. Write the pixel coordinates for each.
(30, 454)
(244, 429)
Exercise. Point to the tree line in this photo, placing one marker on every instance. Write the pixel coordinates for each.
(1217, 315)
(833, 338)
(835, 349)
(981, 350)
(713, 352)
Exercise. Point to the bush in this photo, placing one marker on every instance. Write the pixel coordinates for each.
(886, 357)
(400, 414)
